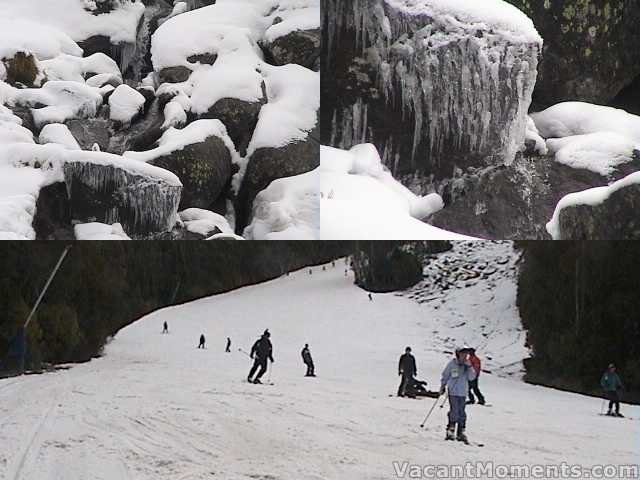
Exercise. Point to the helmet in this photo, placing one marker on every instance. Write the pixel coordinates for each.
(463, 349)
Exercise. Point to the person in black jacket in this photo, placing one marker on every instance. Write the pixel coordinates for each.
(308, 361)
(202, 340)
(228, 349)
(407, 369)
(261, 351)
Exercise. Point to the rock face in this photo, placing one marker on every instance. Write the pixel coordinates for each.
(21, 69)
(433, 94)
(301, 47)
(514, 202)
(109, 194)
(52, 220)
(616, 218)
(90, 131)
(269, 164)
(385, 266)
(591, 49)
(204, 168)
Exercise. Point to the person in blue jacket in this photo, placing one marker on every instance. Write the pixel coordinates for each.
(611, 384)
(455, 379)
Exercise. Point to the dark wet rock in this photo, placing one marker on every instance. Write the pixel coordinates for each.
(300, 46)
(90, 131)
(177, 74)
(616, 218)
(204, 169)
(52, 220)
(141, 135)
(203, 58)
(21, 69)
(514, 202)
(24, 113)
(591, 49)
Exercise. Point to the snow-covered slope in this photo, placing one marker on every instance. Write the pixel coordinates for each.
(155, 407)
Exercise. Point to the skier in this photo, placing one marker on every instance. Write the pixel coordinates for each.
(407, 369)
(308, 361)
(473, 384)
(165, 327)
(263, 351)
(202, 340)
(228, 349)
(611, 384)
(455, 379)
(370, 297)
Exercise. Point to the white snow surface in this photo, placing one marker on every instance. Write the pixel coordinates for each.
(125, 104)
(288, 209)
(493, 13)
(203, 222)
(360, 199)
(60, 134)
(592, 196)
(70, 16)
(155, 407)
(20, 35)
(99, 231)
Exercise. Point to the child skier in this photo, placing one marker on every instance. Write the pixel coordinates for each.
(455, 378)
(473, 384)
(611, 384)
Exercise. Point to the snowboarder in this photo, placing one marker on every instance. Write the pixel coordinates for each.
(262, 350)
(165, 327)
(228, 349)
(473, 384)
(407, 369)
(308, 361)
(202, 340)
(611, 384)
(455, 379)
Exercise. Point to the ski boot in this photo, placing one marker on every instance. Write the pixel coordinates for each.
(462, 437)
(257, 381)
(451, 432)
(618, 414)
(610, 414)
(249, 380)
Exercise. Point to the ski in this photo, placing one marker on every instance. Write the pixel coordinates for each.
(615, 416)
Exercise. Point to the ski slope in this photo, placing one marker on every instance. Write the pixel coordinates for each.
(155, 407)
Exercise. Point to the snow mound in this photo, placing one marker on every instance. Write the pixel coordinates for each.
(533, 136)
(294, 15)
(19, 35)
(125, 104)
(99, 231)
(289, 208)
(599, 152)
(592, 197)
(360, 199)
(69, 67)
(60, 134)
(203, 222)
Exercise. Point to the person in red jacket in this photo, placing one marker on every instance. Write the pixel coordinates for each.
(473, 384)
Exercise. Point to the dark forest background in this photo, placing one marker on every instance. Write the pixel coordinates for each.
(104, 286)
(580, 302)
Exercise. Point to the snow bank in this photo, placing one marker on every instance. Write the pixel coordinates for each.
(360, 199)
(176, 139)
(60, 134)
(288, 209)
(99, 231)
(598, 152)
(70, 16)
(20, 35)
(593, 196)
(125, 104)
(203, 222)
(69, 67)
(19, 189)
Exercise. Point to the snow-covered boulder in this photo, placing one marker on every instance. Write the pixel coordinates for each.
(99, 231)
(436, 85)
(91, 131)
(204, 223)
(200, 155)
(60, 134)
(603, 213)
(289, 208)
(126, 105)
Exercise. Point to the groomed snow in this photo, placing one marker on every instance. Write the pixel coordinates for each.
(155, 407)
(288, 209)
(360, 200)
(497, 14)
(592, 196)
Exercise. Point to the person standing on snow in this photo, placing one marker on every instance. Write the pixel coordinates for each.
(308, 361)
(262, 350)
(202, 340)
(611, 384)
(407, 369)
(455, 378)
(473, 384)
(228, 349)
(165, 327)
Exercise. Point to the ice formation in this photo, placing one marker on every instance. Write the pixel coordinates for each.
(457, 77)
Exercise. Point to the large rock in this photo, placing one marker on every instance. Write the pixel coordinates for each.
(91, 131)
(52, 220)
(591, 48)
(300, 46)
(22, 69)
(268, 164)
(432, 93)
(204, 169)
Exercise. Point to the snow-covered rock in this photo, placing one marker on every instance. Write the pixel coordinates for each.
(126, 105)
(204, 222)
(436, 85)
(288, 209)
(360, 199)
(99, 231)
(60, 134)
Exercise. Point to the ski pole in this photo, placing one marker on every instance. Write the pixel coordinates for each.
(270, 370)
(430, 412)
(602, 407)
(241, 350)
(446, 399)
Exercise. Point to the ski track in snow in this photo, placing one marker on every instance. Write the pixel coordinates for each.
(155, 407)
